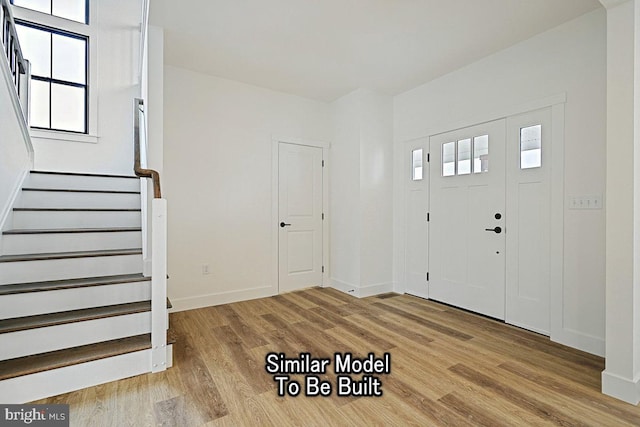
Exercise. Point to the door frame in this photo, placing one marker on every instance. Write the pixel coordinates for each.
(275, 195)
(558, 332)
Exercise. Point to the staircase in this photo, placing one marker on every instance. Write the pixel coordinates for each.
(75, 309)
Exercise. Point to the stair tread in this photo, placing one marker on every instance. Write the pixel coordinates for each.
(67, 255)
(73, 316)
(100, 175)
(67, 190)
(72, 230)
(18, 288)
(72, 356)
(77, 209)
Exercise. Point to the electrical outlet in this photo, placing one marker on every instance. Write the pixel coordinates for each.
(205, 269)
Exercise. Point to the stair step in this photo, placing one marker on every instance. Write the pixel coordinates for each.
(55, 285)
(40, 172)
(69, 198)
(72, 230)
(68, 190)
(72, 356)
(54, 319)
(69, 255)
(38, 218)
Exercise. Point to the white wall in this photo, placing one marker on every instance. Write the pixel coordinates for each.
(118, 46)
(361, 193)
(217, 180)
(569, 59)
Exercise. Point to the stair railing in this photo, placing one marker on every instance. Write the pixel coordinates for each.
(19, 67)
(158, 246)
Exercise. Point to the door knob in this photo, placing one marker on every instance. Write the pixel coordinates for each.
(496, 230)
(283, 224)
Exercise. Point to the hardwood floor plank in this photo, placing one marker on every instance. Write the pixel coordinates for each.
(532, 405)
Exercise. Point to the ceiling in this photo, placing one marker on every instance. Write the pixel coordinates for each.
(324, 49)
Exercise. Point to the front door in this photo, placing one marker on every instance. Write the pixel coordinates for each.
(300, 216)
(467, 239)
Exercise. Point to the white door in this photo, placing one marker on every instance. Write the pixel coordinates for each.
(300, 213)
(467, 239)
(529, 220)
(417, 209)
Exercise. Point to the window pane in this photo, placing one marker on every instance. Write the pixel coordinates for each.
(69, 59)
(67, 108)
(43, 6)
(464, 157)
(417, 164)
(36, 47)
(449, 159)
(71, 9)
(39, 104)
(531, 147)
(481, 154)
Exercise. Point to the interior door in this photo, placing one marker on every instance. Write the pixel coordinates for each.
(300, 213)
(467, 228)
(529, 221)
(417, 227)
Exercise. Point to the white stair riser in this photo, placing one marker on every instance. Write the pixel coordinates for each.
(76, 182)
(34, 303)
(31, 220)
(61, 199)
(52, 338)
(16, 244)
(72, 268)
(70, 378)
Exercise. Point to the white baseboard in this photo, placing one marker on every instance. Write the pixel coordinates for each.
(362, 291)
(580, 341)
(621, 388)
(191, 303)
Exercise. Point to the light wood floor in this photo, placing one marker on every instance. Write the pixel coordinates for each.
(448, 367)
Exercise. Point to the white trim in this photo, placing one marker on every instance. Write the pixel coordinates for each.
(209, 300)
(347, 288)
(159, 318)
(45, 384)
(56, 135)
(326, 224)
(621, 388)
(362, 291)
(609, 4)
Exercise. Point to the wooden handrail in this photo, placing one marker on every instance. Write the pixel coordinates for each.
(137, 168)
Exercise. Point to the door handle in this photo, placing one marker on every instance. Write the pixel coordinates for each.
(496, 230)
(283, 224)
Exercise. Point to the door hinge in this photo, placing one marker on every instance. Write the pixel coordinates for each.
(323, 163)
(323, 216)
(323, 268)
(428, 157)
(428, 217)
(427, 276)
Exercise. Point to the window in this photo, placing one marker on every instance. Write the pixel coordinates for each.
(457, 158)
(531, 147)
(55, 38)
(416, 156)
(59, 77)
(74, 10)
